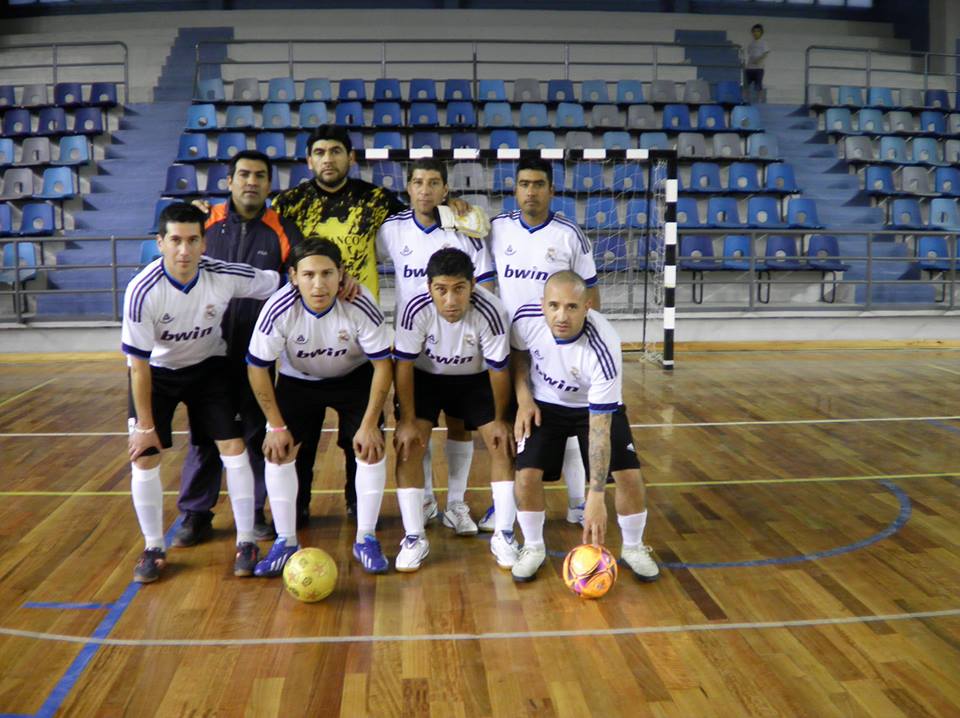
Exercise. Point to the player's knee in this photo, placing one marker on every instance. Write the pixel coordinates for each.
(231, 447)
(145, 463)
(628, 479)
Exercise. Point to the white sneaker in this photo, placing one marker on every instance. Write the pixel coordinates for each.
(504, 547)
(457, 517)
(413, 549)
(640, 561)
(529, 561)
(575, 513)
(488, 524)
(430, 508)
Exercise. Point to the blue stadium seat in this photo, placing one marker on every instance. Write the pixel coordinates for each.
(676, 117)
(388, 140)
(349, 114)
(210, 90)
(947, 181)
(781, 254)
(240, 116)
(925, 150)
(496, 114)
(567, 206)
(423, 114)
(570, 115)
(711, 118)
(696, 256)
(387, 88)
(637, 217)
(492, 91)
(160, 205)
(802, 213)
(504, 176)
(281, 89)
(850, 96)
(780, 178)
(229, 143)
(389, 174)
(387, 114)
(629, 92)
(68, 94)
(533, 114)
(8, 96)
(936, 98)
(559, 176)
(217, 180)
(838, 119)
(737, 254)
(17, 123)
(594, 92)
(654, 141)
(880, 97)
(878, 181)
(53, 121)
(273, 145)
(457, 90)
(504, 138)
(944, 215)
(19, 267)
(423, 89)
(762, 146)
(560, 91)
(425, 139)
(609, 250)
(353, 89)
(317, 89)
(36, 220)
(6, 152)
(763, 212)
(893, 149)
(745, 117)
(688, 213)
(465, 139)
(723, 212)
(628, 177)
(103, 94)
(934, 256)
(870, 120)
(705, 177)
(192, 147)
(934, 122)
(276, 116)
(588, 177)
(541, 139)
(299, 173)
(57, 184)
(6, 220)
(148, 247)
(617, 140)
(905, 214)
(181, 181)
(313, 114)
(300, 146)
(729, 92)
(823, 251)
(743, 177)
(201, 117)
(461, 114)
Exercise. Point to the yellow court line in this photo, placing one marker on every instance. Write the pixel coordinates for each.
(560, 487)
(24, 393)
(943, 368)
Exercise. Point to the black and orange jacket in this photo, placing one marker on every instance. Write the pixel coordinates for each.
(263, 242)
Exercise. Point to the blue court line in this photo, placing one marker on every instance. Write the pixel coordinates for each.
(65, 606)
(69, 679)
(943, 425)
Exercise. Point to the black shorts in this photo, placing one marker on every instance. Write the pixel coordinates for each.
(303, 403)
(754, 77)
(467, 397)
(208, 393)
(545, 446)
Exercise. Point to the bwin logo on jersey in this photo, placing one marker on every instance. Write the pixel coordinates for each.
(300, 339)
(514, 273)
(406, 251)
(413, 272)
(510, 251)
(322, 352)
(166, 319)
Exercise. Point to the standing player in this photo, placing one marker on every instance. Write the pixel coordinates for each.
(332, 353)
(528, 245)
(176, 353)
(568, 377)
(409, 239)
(444, 337)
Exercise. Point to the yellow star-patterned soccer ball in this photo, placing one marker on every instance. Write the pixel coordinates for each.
(310, 575)
(589, 571)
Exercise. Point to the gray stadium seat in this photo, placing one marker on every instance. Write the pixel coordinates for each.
(579, 140)
(246, 89)
(900, 121)
(641, 117)
(953, 124)
(526, 89)
(662, 91)
(916, 180)
(951, 151)
(17, 183)
(763, 146)
(606, 116)
(692, 144)
(911, 98)
(35, 151)
(820, 96)
(34, 96)
(468, 176)
(727, 144)
(858, 148)
(696, 91)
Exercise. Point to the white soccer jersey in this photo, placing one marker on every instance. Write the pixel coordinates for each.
(409, 246)
(178, 325)
(525, 256)
(440, 347)
(318, 346)
(580, 373)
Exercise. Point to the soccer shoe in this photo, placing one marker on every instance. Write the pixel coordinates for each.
(640, 562)
(488, 523)
(413, 549)
(529, 561)
(457, 517)
(370, 555)
(575, 513)
(247, 555)
(273, 564)
(504, 547)
(263, 530)
(149, 565)
(196, 527)
(430, 508)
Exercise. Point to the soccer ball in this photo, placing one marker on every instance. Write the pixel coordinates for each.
(589, 571)
(310, 575)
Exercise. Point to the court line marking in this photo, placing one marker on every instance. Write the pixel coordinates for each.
(681, 425)
(493, 636)
(943, 368)
(24, 393)
(66, 605)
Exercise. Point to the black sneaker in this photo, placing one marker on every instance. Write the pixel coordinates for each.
(196, 527)
(149, 565)
(262, 530)
(248, 553)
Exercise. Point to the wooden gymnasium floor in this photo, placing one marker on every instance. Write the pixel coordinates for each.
(805, 505)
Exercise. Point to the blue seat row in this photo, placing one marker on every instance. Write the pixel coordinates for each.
(53, 121)
(36, 219)
(856, 97)
(65, 94)
(871, 121)
(906, 213)
(883, 181)
(20, 183)
(38, 151)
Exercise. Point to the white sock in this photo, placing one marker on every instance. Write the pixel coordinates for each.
(504, 505)
(148, 503)
(531, 523)
(631, 526)
(459, 458)
(371, 479)
(282, 485)
(428, 471)
(240, 488)
(574, 474)
(411, 510)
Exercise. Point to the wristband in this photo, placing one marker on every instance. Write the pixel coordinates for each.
(276, 428)
(138, 430)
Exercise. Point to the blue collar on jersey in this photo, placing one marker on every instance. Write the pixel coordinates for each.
(425, 230)
(571, 340)
(540, 226)
(185, 288)
(324, 313)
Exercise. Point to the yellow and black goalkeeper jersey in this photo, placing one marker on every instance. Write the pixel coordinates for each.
(350, 217)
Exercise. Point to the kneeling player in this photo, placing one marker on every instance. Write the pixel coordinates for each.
(172, 313)
(568, 377)
(332, 353)
(443, 337)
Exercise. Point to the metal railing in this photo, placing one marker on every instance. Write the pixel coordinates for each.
(61, 61)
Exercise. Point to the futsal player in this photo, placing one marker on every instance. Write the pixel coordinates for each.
(568, 377)
(452, 350)
(176, 353)
(409, 239)
(333, 353)
(528, 245)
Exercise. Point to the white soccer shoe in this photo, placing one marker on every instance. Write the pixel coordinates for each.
(413, 550)
(529, 562)
(575, 513)
(640, 561)
(488, 524)
(504, 547)
(430, 508)
(457, 517)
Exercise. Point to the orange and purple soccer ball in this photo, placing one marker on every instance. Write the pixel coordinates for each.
(310, 575)
(589, 571)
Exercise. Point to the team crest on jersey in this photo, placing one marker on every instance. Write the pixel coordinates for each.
(552, 254)
(166, 319)
(406, 251)
(510, 251)
(575, 372)
(300, 339)
(470, 339)
(431, 339)
(210, 311)
(538, 355)
(343, 335)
